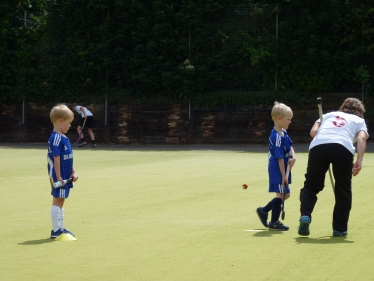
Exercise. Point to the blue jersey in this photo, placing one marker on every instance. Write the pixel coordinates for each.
(59, 145)
(279, 147)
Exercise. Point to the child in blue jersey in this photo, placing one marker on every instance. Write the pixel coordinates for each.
(281, 154)
(60, 165)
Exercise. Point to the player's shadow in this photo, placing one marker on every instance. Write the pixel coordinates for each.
(323, 240)
(265, 232)
(37, 242)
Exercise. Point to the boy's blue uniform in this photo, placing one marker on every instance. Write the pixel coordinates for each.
(59, 145)
(279, 147)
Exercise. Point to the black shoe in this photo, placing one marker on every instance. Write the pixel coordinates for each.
(262, 216)
(339, 233)
(64, 230)
(55, 234)
(278, 226)
(82, 144)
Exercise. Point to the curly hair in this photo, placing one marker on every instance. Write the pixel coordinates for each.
(353, 106)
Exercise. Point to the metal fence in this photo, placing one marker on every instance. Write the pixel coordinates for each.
(238, 22)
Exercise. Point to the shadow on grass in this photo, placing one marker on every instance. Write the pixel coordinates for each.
(264, 232)
(322, 240)
(37, 242)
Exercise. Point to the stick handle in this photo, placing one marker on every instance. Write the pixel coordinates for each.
(288, 171)
(319, 102)
(59, 183)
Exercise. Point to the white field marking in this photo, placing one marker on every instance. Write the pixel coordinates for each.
(256, 230)
(131, 175)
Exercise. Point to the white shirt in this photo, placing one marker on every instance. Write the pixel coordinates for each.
(339, 127)
(78, 109)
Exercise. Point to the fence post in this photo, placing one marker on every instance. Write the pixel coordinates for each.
(190, 123)
(106, 123)
(24, 122)
(276, 38)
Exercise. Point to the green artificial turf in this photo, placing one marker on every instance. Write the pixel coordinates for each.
(161, 213)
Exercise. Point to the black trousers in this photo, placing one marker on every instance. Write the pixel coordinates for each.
(320, 157)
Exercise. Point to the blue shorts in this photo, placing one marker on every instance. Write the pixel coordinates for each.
(278, 188)
(62, 192)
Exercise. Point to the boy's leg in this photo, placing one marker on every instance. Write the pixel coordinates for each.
(62, 223)
(275, 224)
(55, 217)
(268, 207)
(262, 213)
(62, 218)
(276, 209)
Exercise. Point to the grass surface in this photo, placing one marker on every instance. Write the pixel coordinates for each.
(156, 213)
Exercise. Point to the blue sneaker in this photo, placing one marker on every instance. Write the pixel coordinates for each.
(262, 216)
(55, 234)
(278, 226)
(339, 233)
(68, 232)
(304, 226)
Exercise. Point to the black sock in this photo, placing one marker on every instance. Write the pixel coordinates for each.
(268, 207)
(276, 210)
(83, 141)
(93, 142)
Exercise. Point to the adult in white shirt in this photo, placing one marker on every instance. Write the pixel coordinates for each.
(333, 144)
(85, 122)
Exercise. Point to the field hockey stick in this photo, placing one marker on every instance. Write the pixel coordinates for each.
(284, 193)
(81, 132)
(58, 184)
(319, 102)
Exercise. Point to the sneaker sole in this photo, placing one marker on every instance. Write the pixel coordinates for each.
(339, 234)
(304, 228)
(278, 229)
(260, 219)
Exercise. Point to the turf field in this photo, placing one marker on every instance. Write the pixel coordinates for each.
(173, 213)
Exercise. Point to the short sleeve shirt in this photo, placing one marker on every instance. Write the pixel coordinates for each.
(279, 148)
(59, 145)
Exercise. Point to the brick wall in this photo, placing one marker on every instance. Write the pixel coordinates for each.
(135, 123)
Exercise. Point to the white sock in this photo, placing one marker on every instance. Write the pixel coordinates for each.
(61, 218)
(55, 217)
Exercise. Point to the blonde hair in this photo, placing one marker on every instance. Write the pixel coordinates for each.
(281, 110)
(61, 111)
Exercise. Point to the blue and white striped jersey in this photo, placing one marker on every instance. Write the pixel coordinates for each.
(59, 145)
(279, 147)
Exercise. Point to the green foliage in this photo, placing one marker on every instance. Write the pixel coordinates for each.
(212, 52)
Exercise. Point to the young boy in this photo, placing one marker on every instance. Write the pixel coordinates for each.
(281, 154)
(85, 122)
(60, 165)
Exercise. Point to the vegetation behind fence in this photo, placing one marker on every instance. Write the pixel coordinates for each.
(210, 53)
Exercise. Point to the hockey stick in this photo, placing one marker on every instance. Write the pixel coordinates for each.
(284, 193)
(59, 184)
(319, 102)
(80, 134)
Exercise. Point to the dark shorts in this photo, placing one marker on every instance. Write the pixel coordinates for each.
(89, 122)
(278, 188)
(62, 192)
